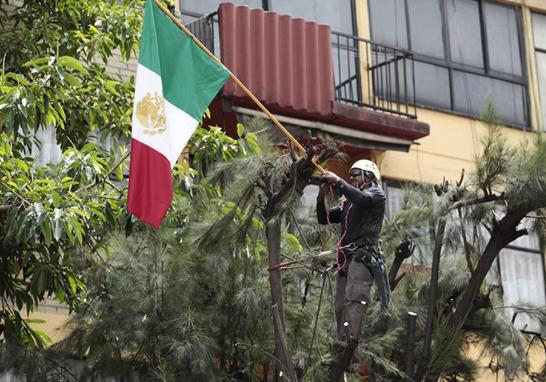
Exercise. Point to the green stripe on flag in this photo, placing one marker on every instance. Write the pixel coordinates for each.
(190, 78)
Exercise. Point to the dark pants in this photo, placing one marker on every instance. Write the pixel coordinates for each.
(353, 286)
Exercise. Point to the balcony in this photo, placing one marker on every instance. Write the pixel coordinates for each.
(302, 70)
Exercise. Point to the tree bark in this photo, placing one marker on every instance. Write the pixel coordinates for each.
(410, 344)
(273, 233)
(426, 355)
(4, 208)
(403, 251)
(286, 361)
(343, 361)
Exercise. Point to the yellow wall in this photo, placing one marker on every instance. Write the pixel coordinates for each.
(54, 314)
(452, 145)
(476, 351)
(53, 325)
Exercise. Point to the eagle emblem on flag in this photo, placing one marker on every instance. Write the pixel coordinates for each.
(150, 112)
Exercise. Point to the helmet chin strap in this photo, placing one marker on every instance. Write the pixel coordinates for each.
(365, 184)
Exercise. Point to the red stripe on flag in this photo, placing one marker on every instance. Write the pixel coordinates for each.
(150, 184)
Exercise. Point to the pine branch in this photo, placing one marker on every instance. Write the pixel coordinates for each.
(466, 245)
(485, 199)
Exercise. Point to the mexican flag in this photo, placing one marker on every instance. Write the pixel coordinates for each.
(175, 82)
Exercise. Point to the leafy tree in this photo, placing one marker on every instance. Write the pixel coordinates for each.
(54, 218)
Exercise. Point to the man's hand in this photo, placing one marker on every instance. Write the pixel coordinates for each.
(330, 177)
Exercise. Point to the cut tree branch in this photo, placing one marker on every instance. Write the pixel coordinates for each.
(473, 202)
(5, 207)
(466, 244)
(403, 251)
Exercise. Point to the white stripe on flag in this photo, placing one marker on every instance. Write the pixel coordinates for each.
(180, 125)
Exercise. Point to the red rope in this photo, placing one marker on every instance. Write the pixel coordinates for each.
(340, 254)
(284, 265)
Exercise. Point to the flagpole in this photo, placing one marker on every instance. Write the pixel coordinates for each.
(240, 84)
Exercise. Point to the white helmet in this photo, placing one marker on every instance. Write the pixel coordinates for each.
(367, 165)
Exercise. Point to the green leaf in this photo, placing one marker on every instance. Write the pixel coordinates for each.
(39, 280)
(68, 229)
(240, 129)
(17, 77)
(78, 229)
(98, 213)
(60, 111)
(46, 231)
(34, 321)
(37, 62)
(56, 199)
(72, 283)
(60, 292)
(111, 87)
(41, 338)
(72, 63)
(72, 80)
(292, 242)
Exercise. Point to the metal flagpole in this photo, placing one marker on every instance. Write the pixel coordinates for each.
(240, 84)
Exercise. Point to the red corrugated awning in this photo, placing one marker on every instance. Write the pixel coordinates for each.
(286, 62)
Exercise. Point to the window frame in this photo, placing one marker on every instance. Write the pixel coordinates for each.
(536, 252)
(448, 64)
(540, 90)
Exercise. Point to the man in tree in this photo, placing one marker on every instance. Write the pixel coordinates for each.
(359, 259)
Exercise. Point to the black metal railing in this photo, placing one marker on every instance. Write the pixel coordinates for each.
(366, 73)
(373, 75)
(206, 29)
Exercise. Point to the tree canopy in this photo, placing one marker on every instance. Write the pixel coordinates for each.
(53, 76)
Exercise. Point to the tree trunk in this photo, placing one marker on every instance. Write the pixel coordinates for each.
(410, 344)
(273, 233)
(503, 233)
(343, 360)
(429, 327)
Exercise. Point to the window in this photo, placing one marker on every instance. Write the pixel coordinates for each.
(193, 9)
(521, 270)
(47, 150)
(466, 52)
(539, 31)
(396, 201)
(338, 14)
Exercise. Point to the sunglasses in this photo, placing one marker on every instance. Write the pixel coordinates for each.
(354, 174)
